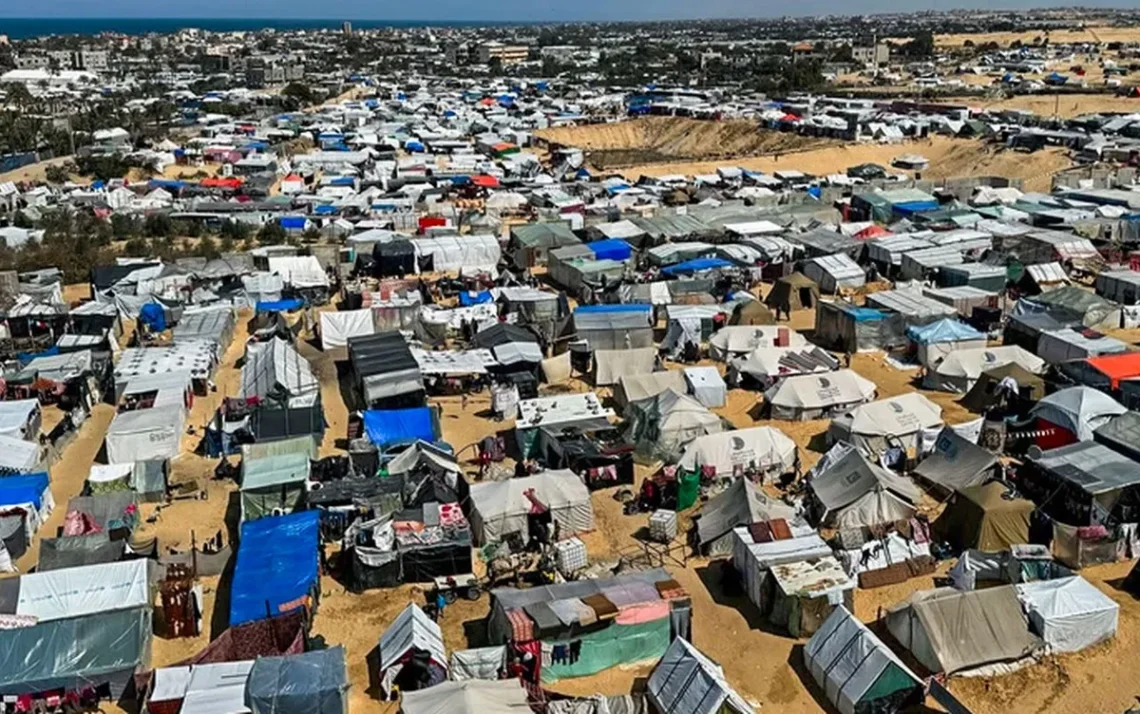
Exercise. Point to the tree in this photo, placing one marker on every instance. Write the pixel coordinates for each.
(21, 220)
(158, 225)
(921, 45)
(56, 174)
(19, 95)
(234, 231)
(124, 226)
(272, 234)
(136, 248)
(301, 92)
(842, 54)
(207, 248)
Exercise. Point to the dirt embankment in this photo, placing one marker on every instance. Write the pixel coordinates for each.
(652, 140)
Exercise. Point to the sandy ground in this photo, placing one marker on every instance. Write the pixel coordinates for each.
(1096, 34)
(949, 158)
(1062, 105)
(762, 663)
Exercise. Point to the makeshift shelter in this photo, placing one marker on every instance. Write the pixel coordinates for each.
(74, 551)
(146, 434)
(387, 428)
(739, 340)
(276, 568)
(477, 663)
(793, 292)
(273, 485)
(804, 592)
(856, 672)
(848, 491)
(1122, 435)
(386, 372)
(275, 371)
(1084, 484)
(337, 327)
(530, 244)
(833, 273)
(308, 683)
(706, 386)
(147, 479)
(989, 517)
(637, 387)
(457, 253)
(961, 369)
(741, 504)
(812, 396)
(754, 559)
(1073, 414)
(412, 654)
(957, 632)
(1066, 344)
(615, 327)
(765, 366)
(936, 340)
(1075, 304)
(896, 423)
(215, 688)
(503, 507)
(472, 696)
(841, 326)
(686, 680)
(659, 427)
(761, 450)
(18, 456)
(584, 412)
(956, 463)
(611, 365)
(21, 419)
(987, 390)
(1069, 614)
(1105, 373)
(752, 313)
(88, 626)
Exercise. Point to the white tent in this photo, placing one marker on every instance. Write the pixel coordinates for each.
(706, 385)
(146, 434)
(896, 422)
(478, 663)
(661, 426)
(610, 366)
(275, 368)
(337, 327)
(473, 696)
(20, 419)
(468, 253)
(855, 669)
(811, 396)
(502, 507)
(1081, 410)
(768, 448)
(739, 340)
(411, 631)
(18, 456)
(852, 492)
(685, 681)
(300, 271)
(1070, 614)
(216, 688)
(961, 368)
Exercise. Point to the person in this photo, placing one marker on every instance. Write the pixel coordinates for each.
(440, 603)
(484, 462)
(463, 401)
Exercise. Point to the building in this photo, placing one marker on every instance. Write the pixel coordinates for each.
(217, 62)
(877, 54)
(270, 71)
(803, 51)
(31, 61)
(346, 28)
(506, 54)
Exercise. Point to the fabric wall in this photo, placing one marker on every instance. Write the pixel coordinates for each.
(613, 646)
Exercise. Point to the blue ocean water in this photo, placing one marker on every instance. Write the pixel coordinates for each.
(26, 27)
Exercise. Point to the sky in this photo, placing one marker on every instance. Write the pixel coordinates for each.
(497, 10)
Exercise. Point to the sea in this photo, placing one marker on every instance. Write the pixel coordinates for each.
(27, 27)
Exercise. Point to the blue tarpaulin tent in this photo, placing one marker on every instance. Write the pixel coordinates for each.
(943, 331)
(153, 316)
(26, 357)
(276, 566)
(293, 223)
(468, 298)
(281, 305)
(697, 264)
(389, 427)
(18, 490)
(612, 249)
(325, 210)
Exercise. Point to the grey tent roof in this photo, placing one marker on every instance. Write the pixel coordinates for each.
(845, 475)
(956, 463)
(1122, 434)
(685, 681)
(472, 696)
(1092, 467)
(275, 367)
(310, 683)
(740, 504)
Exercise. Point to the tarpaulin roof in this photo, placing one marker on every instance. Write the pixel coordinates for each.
(472, 696)
(277, 565)
(945, 330)
(411, 630)
(1117, 367)
(309, 683)
(1070, 613)
(989, 517)
(687, 682)
(956, 463)
(611, 249)
(388, 427)
(18, 490)
(695, 265)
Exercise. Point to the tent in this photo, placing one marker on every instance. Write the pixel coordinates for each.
(20, 419)
(152, 434)
(502, 507)
(988, 517)
(764, 449)
(213, 688)
(960, 369)
(938, 339)
(394, 427)
(686, 681)
(308, 683)
(835, 272)
(739, 340)
(18, 456)
(956, 463)
(638, 387)
(707, 386)
(741, 504)
(851, 492)
(985, 393)
(1069, 614)
(276, 568)
(766, 365)
(898, 422)
(466, 253)
(954, 632)
(478, 663)
(473, 696)
(386, 371)
(661, 426)
(338, 327)
(615, 327)
(856, 671)
(793, 292)
(275, 370)
(78, 627)
(412, 655)
(1078, 410)
(30, 494)
(812, 396)
(273, 485)
(752, 312)
(611, 365)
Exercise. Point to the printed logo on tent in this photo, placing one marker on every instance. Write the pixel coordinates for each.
(825, 383)
(737, 443)
(897, 407)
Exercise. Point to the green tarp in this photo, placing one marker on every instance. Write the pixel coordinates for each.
(615, 645)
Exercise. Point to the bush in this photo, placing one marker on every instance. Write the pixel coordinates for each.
(272, 234)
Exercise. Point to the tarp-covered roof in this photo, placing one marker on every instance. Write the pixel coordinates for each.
(686, 681)
(277, 566)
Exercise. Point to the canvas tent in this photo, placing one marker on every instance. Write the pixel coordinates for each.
(851, 492)
(856, 672)
(812, 396)
(1070, 614)
(765, 449)
(502, 507)
(308, 683)
(793, 292)
(739, 340)
(936, 340)
(741, 504)
(412, 655)
(473, 696)
(706, 386)
(637, 387)
(275, 370)
(1079, 410)
(956, 463)
(686, 681)
(661, 426)
(898, 422)
(338, 327)
(986, 391)
(989, 518)
(955, 632)
(962, 368)
(611, 365)
(83, 626)
(18, 456)
(152, 434)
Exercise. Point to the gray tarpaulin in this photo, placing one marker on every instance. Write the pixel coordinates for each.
(310, 683)
(478, 663)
